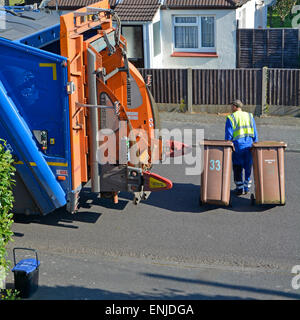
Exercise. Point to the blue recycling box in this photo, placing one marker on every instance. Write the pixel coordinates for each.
(26, 274)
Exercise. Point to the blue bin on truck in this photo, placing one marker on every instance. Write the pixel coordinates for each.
(34, 110)
(62, 80)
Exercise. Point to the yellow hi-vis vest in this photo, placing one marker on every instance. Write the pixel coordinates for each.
(242, 124)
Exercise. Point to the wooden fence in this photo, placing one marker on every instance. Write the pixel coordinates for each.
(217, 87)
(284, 87)
(278, 87)
(273, 48)
(169, 85)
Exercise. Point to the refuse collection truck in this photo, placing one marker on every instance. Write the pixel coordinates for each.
(69, 102)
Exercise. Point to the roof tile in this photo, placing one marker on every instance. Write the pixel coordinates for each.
(176, 4)
(127, 10)
(144, 10)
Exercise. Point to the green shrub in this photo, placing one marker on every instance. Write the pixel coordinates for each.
(9, 294)
(182, 106)
(6, 202)
(6, 217)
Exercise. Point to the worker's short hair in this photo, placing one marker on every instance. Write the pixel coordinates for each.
(237, 103)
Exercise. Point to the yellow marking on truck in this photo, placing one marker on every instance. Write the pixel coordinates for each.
(33, 164)
(51, 164)
(156, 184)
(50, 65)
(57, 164)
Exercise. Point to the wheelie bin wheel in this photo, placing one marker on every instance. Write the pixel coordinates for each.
(252, 199)
(200, 202)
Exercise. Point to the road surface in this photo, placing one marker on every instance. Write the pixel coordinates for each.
(168, 247)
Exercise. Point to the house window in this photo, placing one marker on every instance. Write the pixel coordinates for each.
(156, 38)
(135, 39)
(134, 36)
(194, 33)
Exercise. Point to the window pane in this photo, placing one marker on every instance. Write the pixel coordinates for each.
(134, 37)
(156, 38)
(185, 20)
(186, 37)
(208, 32)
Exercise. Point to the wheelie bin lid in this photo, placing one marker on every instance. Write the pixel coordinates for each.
(269, 144)
(218, 143)
(26, 265)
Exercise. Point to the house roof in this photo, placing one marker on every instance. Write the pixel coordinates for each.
(144, 10)
(137, 10)
(127, 10)
(203, 4)
(71, 4)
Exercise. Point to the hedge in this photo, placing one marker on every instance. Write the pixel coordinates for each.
(6, 202)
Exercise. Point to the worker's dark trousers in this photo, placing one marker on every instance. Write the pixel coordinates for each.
(242, 161)
(238, 176)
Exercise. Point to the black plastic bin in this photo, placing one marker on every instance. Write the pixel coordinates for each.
(26, 274)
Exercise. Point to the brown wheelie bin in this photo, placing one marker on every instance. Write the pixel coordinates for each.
(216, 175)
(268, 169)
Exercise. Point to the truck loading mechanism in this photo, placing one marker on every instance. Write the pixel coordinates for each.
(73, 109)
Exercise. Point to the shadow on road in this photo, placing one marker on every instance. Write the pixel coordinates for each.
(81, 293)
(269, 292)
(85, 214)
(184, 197)
(89, 199)
(59, 218)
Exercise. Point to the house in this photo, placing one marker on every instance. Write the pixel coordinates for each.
(254, 14)
(141, 27)
(138, 18)
(180, 33)
(202, 33)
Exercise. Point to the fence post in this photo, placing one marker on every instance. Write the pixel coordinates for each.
(189, 90)
(264, 91)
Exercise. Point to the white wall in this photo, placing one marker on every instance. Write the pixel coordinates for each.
(225, 41)
(253, 14)
(246, 15)
(262, 13)
(147, 27)
(261, 17)
(156, 60)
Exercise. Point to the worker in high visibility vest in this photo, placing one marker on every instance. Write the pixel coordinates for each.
(241, 129)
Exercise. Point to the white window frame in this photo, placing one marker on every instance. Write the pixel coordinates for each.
(198, 24)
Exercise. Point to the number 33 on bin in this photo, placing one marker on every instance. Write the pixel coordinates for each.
(215, 165)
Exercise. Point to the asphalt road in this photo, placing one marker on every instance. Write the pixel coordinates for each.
(168, 247)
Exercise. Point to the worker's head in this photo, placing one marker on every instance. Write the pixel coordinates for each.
(236, 105)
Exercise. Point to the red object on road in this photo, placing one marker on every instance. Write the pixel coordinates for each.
(176, 149)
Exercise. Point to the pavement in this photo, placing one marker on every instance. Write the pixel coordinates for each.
(168, 247)
(276, 128)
